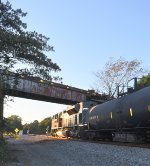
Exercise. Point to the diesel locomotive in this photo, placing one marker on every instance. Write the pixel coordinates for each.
(123, 119)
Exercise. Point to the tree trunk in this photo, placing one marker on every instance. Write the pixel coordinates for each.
(1, 115)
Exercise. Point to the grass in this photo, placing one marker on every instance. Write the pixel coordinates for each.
(4, 153)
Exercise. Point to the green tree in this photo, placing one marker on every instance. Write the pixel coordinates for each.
(44, 124)
(34, 127)
(22, 51)
(38, 127)
(144, 81)
(13, 122)
(25, 128)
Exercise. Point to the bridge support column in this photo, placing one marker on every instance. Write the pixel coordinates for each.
(1, 115)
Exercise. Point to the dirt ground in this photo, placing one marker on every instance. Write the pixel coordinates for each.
(30, 151)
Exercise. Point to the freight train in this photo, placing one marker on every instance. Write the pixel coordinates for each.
(126, 119)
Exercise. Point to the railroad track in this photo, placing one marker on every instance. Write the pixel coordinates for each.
(139, 145)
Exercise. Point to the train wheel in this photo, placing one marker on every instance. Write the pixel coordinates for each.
(91, 136)
(110, 139)
(103, 139)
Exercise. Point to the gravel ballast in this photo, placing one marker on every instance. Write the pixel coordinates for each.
(74, 153)
(83, 153)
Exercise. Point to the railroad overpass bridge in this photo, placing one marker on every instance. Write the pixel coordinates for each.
(38, 89)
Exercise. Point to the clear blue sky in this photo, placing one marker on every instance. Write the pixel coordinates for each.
(84, 33)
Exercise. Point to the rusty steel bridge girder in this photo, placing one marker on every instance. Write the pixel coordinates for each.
(38, 89)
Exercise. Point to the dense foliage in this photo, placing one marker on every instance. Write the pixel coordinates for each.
(44, 125)
(35, 127)
(38, 127)
(13, 122)
(144, 81)
(21, 50)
